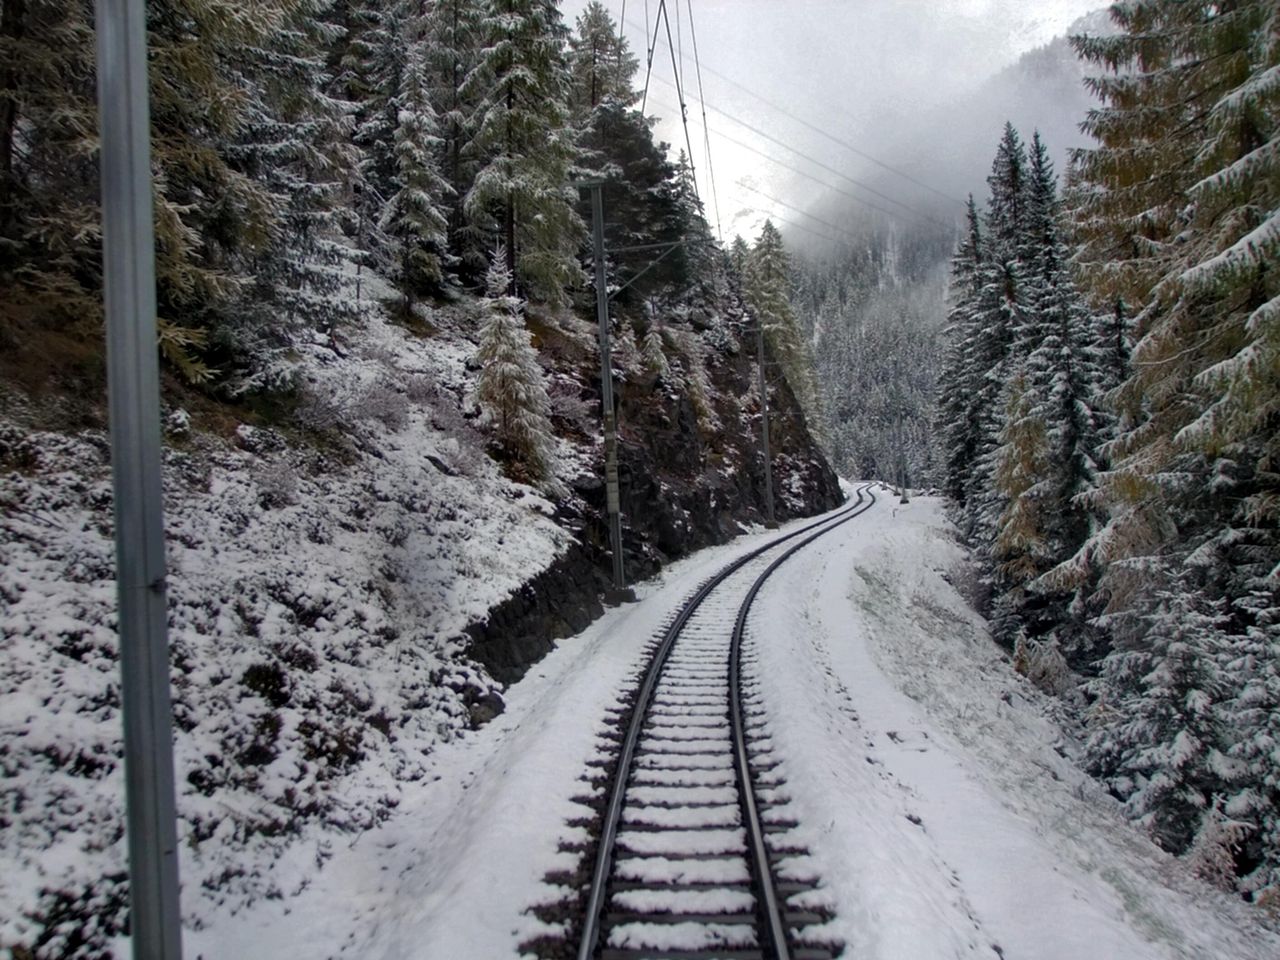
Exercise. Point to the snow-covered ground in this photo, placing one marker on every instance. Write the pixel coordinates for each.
(937, 796)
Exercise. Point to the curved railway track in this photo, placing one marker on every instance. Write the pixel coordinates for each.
(694, 860)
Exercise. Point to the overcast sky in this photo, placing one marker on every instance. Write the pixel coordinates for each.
(868, 71)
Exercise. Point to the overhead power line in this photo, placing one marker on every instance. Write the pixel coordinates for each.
(825, 166)
(706, 133)
(794, 169)
(830, 136)
(803, 213)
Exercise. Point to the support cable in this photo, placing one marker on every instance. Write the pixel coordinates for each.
(684, 107)
(803, 213)
(653, 45)
(832, 137)
(706, 133)
(830, 169)
(893, 214)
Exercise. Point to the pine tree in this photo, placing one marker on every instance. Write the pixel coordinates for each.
(236, 128)
(451, 36)
(414, 217)
(1177, 208)
(524, 145)
(1254, 672)
(654, 357)
(959, 379)
(1055, 342)
(511, 389)
(1171, 735)
(292, 143)
(768, 292)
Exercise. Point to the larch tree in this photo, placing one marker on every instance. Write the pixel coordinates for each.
(524, 146)
(601, 64)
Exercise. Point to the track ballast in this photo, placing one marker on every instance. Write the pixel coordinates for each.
(693, 859)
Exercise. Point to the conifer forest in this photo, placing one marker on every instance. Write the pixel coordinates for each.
(396, 508)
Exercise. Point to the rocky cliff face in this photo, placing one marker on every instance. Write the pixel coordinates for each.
(690, 468)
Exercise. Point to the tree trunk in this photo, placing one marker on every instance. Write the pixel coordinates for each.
(13, 18)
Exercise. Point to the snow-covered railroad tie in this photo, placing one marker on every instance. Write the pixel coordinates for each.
(692, 858)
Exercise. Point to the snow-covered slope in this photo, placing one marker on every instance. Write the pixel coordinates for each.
(348, 576)
(317, 607)
(934, 785)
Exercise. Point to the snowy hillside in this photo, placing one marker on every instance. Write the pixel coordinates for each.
(331, 576)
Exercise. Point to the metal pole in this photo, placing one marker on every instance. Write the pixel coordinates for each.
(612, 500)
(134, 389)
(770, 520)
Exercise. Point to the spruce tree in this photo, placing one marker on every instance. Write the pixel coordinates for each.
(511, 389)
(451, 36)
(414, 218)
(1055, 343)
(958, 381)
(768, 292)
(524, 146)
(1173, 734)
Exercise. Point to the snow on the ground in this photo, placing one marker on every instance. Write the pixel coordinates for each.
(317, 600)
(454, 871)
(937, 796)
(932, 788)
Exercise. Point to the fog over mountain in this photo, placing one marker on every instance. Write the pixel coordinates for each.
(923, 87)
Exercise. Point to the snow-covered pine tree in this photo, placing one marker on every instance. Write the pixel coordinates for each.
(959, 379)
(293, 141)
(1172, 737)
(601, 64)
(414, 218)
(1177, 208)
(1054, 345)
(654, 357)
(524, 145)
(768, 292)
(1007, 204)
(226, 91)
(511, 388)
(451, 36)
(1253, 670)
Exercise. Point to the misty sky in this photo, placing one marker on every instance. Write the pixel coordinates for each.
(880, 74)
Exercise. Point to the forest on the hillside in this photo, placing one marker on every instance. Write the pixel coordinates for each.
(299, 142)
(1109, 404)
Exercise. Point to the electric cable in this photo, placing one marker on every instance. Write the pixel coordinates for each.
(832, 137)
(706, 133)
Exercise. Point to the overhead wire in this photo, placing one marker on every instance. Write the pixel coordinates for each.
(803, 213)
(830, 136)
(684, 109)
(825, 166)
(804, 173)
(706, 132)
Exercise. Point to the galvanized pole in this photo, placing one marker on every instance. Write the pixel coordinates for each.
(612, 500)
(770, 520)
(132, 366)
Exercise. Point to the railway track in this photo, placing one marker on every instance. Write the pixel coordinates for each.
(694, 859)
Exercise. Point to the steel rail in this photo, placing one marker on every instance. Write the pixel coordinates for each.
(770, 904)
(626, 757)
